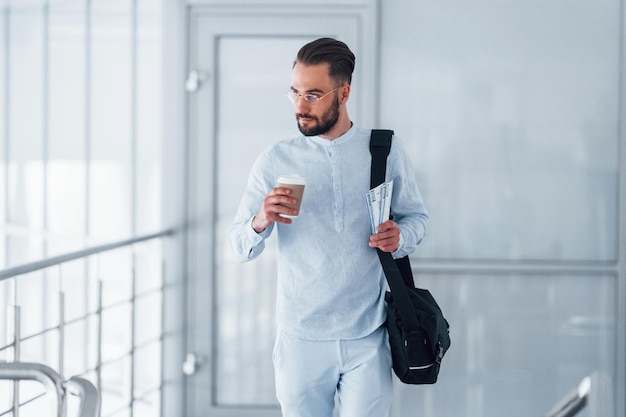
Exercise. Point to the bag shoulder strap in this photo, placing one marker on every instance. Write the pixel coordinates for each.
(380, 145)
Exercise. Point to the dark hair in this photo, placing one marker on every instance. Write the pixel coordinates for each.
(335, 53)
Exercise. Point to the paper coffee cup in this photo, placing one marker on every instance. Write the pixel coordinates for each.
(296, 183)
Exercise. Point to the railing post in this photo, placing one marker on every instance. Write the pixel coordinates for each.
(162, 376)
(14, 333)
(62, 406)
(133, 320)
(99, 338)
(61, 332)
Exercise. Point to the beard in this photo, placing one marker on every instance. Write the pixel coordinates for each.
(317, 126)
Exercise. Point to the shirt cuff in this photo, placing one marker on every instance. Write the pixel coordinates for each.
(257, 237)
(396, 253)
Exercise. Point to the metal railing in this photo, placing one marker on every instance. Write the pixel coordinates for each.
(112, 365)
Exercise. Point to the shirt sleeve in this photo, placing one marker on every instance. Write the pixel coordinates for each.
(407, 206)
(245, 242)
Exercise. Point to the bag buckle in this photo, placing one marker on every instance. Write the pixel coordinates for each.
(439, 357)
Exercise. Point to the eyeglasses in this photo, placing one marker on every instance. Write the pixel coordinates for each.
(311, 99)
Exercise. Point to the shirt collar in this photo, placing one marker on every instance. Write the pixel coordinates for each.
(337, 141)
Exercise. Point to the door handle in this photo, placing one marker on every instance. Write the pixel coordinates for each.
(194, 81)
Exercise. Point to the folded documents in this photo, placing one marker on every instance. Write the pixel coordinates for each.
(379, 204)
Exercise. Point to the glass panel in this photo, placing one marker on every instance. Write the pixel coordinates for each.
(25, 176)
(23, 249)
(26, 95)
(116, 332)
(148, 266)
(511, 121)
(148, 406)
(3, 135)
(519, 343)
(125, 412)
(6, 396)
(66, 170)
(148, 318)
(116, 387)
(111, 125)
(43, 348)
(77, 350)
(147, 369)
(148, 123)
(3, 85)
(31, 297)
(75, 286)
(45, 403)
(6, 300)
(91, 342)
(115, 271)
(246, 292)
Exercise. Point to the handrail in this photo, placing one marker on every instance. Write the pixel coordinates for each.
(55, 260)
(573, 402)
(90, 397)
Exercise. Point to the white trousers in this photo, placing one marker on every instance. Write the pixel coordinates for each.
(309, 374)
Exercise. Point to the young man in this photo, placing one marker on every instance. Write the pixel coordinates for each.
(330, 304)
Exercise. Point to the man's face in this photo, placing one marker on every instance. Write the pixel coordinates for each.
(316, 117)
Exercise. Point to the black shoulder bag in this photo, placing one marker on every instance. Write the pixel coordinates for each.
(418, 332)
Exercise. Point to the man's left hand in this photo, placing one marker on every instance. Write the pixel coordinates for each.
(388, 237)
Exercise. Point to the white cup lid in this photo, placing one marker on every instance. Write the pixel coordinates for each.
(291, 179)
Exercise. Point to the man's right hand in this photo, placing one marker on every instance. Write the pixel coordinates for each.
(271, 208)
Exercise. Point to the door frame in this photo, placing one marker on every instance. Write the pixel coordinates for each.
(205, 24)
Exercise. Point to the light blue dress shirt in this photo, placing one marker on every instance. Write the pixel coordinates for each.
(330, 282)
